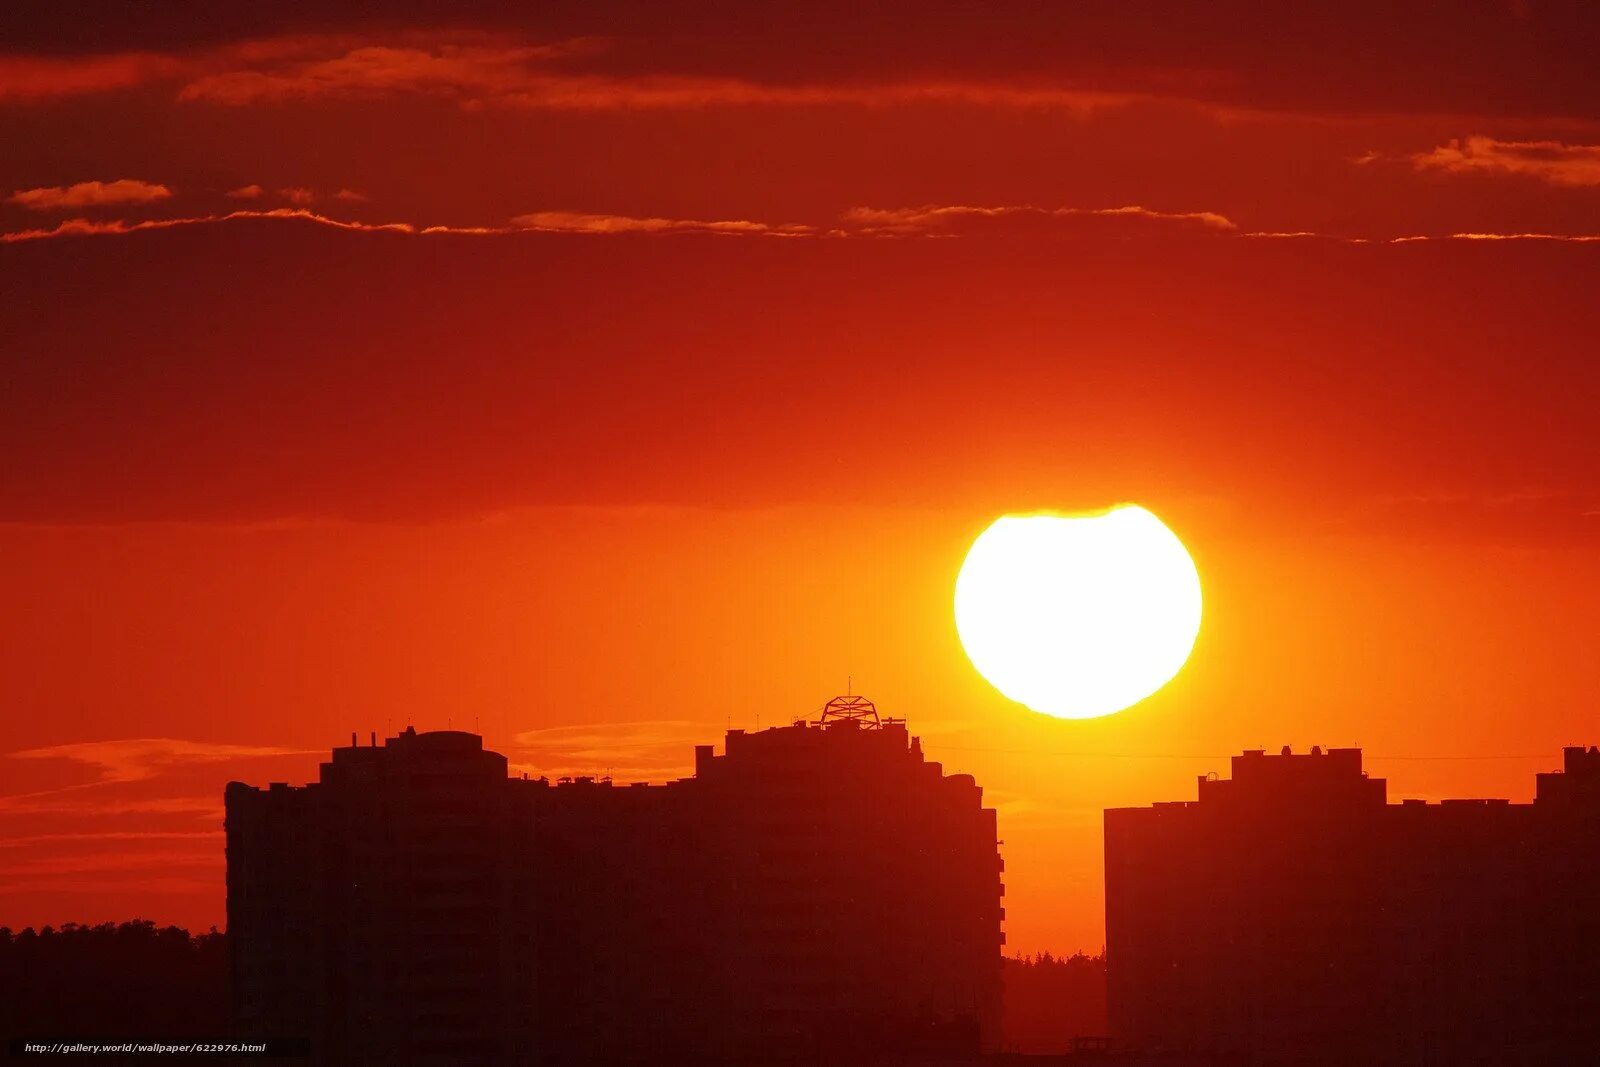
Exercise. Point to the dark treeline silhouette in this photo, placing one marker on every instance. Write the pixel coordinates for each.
(1051, 1002)
(114, 979)
(117, 979)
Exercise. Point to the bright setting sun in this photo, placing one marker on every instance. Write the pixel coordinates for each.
(1078, 616)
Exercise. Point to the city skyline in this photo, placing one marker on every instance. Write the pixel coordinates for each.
(605, 762)
(421, 901)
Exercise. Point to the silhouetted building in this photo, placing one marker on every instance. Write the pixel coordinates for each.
(1293, 915)
(818, 891)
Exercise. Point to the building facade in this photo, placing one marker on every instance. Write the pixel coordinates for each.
(816, 890)
(1292, 915)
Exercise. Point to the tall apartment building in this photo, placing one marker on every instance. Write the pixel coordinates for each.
(1292, 915)
(817, 890)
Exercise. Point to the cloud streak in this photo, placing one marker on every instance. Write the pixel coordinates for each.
(74, 801)
(534, 222)
(116, 227)
(92, 863)
(34, 840)
(944, 218)
(580, 222)
(1574, 238)
(520, 75)
(30, 78)
(931, 221)
(89, 194)
(1553, 162)
(138, 759)
(478, 70)
(652, 750)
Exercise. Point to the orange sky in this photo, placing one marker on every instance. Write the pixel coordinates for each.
(728, 339)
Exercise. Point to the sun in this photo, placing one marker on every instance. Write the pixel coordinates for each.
(1078, 615)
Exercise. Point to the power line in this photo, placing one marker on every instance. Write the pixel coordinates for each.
(1182, 756)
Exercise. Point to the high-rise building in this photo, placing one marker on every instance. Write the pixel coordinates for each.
(379, 911)
(817, 890)
(1292, 915)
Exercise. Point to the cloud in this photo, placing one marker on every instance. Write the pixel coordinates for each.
(1572, 165)
(449, 69)
(478, 70)
(162, 885)
(35, 840)
(57, 866)
(40, 77)
(246, 192)
(579, 222)
(535, 222)
(298, 195)
(660, 92)
(931, 221)
(1576, 238)
(651, 750)
(72, 800)
(516, 74)
(351, 196)
(938, 218)
(137, 759)
(89, 194)
(91, 228)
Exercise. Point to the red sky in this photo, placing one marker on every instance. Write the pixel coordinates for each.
(604, 375)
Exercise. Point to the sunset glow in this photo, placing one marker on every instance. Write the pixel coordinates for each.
(598, 378)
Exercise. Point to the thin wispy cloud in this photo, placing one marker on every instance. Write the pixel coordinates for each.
(513, 74)
(467, 71)
(89, 194)
(932, 221)
(84, 800)
(137, 759)
(28, 78)
(1554, 162)
(946, 218)
(109, 862)
(477, 70)
(117, 227)
(118, 763)
(1575, 238)
(202, 837)
(647, 750)
(579, 222)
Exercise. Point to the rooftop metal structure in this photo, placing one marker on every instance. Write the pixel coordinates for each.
(856, 710)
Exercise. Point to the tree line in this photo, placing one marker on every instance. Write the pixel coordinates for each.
(113, 979)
